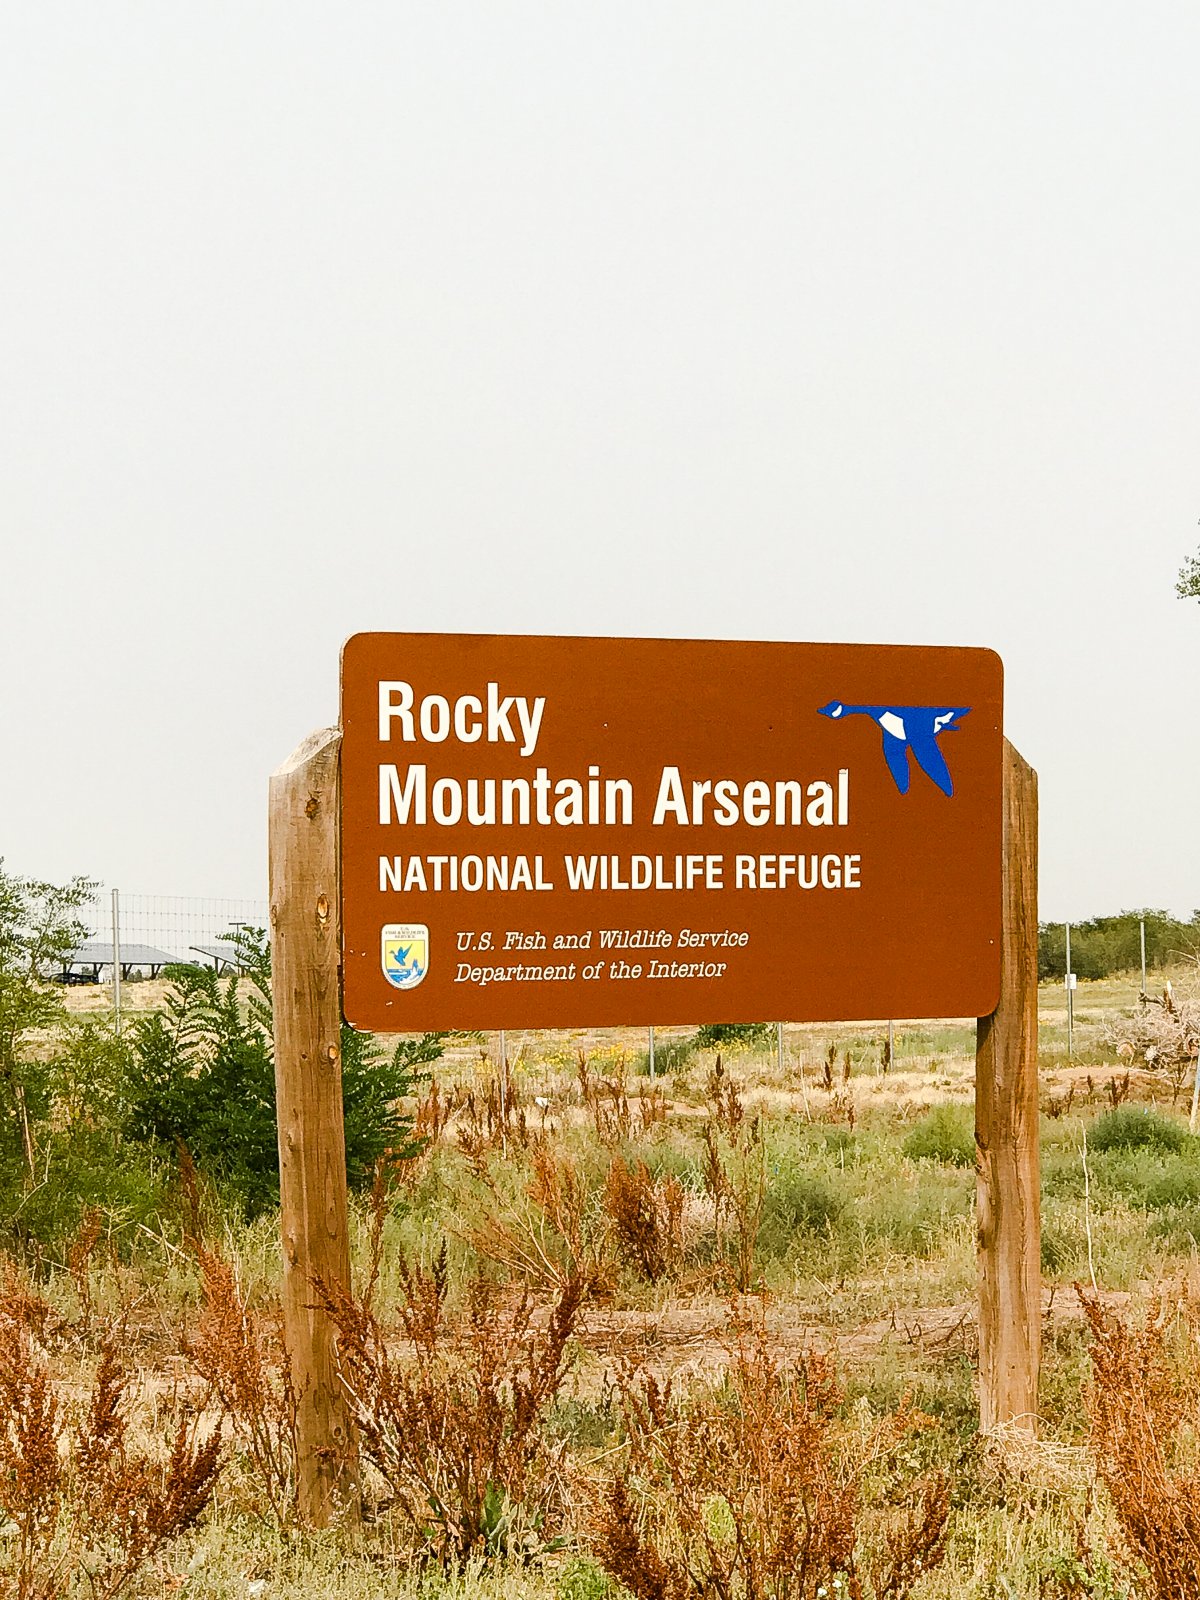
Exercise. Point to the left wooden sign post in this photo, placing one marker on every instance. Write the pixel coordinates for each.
(306, 952)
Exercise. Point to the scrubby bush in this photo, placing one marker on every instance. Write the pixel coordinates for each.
(675, 1055)
(1176, 1184)
(646, 1215)
(1149, 1177)
(1143, 1417)
(796, 1201)
(456, 1424)
(86, 1507)
(62, 1083)
(1136, 1128)
(39, 925)
(1063, 1244)
(945, 1134)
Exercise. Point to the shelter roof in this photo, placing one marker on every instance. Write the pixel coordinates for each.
(219, 953)
(98, 954)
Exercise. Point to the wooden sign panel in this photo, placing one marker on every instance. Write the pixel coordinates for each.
(549, 832)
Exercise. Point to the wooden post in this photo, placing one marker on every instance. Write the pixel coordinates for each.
(303, 848)
(1006, 1132)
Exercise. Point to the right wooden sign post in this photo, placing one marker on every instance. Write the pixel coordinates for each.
(1006, 1130)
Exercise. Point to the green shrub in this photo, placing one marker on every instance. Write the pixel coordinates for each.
(1063, 1245)
(912, 1219)
(585, 1424)
(1146, 1176)
(795, 1201)
(1134, 1128)
(62, 1084)
(1176, 1184)
(670, 1055)
(1104, 945)
(841, 1142)
(202, 1074)
(1062, 1172)
(127, 1184)
(40, 924)
(1178, 1228)
(945, 1134)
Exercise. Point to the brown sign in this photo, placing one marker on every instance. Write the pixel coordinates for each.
(548, 832)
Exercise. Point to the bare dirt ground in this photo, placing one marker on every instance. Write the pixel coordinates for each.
(685, 1340)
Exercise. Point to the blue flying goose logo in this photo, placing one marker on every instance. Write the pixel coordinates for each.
(905, 728)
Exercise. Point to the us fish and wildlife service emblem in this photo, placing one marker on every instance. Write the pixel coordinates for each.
(405, 953)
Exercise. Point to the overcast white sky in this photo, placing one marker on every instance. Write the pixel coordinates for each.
(789, 321)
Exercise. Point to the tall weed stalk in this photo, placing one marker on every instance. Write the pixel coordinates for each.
(734, 1171)
(242, 1358)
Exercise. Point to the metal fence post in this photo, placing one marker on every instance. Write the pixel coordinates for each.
(116, 944)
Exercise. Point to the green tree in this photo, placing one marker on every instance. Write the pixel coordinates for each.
(1187, 585)
(40, 924)
(1102, 946)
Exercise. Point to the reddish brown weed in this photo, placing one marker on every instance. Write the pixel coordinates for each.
(753, 1490)
(492, 1115)
(735, 1175)
(724, 1098)
(79, 1261)
(455, 1427)
(647, 1217)
(1143, 1413)
(435, 1109)
(651, 1110)
(552, 1233)
(606, 1100)
(78, 1495)
(242, 1358)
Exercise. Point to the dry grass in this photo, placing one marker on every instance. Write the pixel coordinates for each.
(553, 1234)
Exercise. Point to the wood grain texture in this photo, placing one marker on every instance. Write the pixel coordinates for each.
(1006, 1133)
(306, 989)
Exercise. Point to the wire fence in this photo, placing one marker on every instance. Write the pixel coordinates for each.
(133, 936)
(144, 932)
